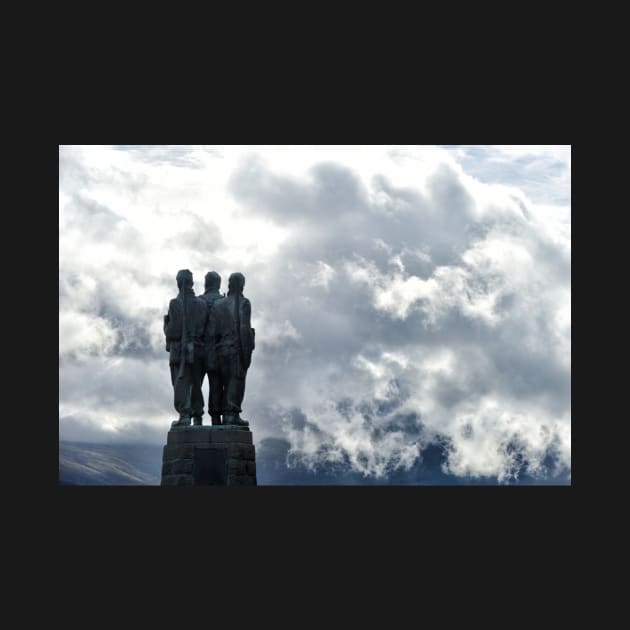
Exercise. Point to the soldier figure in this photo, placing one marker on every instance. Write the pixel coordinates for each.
(185, 328)
(234, 346)
(211, 368)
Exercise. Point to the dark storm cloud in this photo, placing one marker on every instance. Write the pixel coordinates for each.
(299, 422)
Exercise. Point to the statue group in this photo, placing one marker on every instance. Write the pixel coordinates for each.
(211, 335)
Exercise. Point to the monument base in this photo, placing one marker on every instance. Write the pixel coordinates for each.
(221, 455)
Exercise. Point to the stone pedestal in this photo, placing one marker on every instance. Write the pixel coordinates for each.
(209, 456)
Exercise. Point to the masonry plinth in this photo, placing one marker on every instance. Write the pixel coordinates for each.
(209, 456)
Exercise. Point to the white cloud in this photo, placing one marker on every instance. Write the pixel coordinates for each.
(398, 294)
(84, 334)
(323, 276)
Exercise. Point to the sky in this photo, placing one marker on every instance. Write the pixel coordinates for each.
(402, 296)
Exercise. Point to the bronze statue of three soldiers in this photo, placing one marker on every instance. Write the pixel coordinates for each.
(209, 335)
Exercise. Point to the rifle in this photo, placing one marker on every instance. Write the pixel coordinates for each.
(166, 322)
(238, 330)
(184, 340)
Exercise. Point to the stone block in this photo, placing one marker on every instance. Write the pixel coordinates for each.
(194, 435)
(209, 455)
(236, 467)
(207, 435)
(177, 480)
(180, 466)
(241, 451)
(242, 480)
(178, 451)
(241, 437)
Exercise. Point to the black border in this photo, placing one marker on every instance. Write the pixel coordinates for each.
(385, 524)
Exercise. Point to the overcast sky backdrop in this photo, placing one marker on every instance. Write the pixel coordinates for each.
(400, 295)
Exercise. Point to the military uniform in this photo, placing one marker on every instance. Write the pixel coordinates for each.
(211, 367)
(188, 398)
(233, 362)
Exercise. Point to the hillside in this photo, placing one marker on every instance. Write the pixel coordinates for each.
(109, 464)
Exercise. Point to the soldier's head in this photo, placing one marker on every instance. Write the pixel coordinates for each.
(184, 279)
(236, 282)
(213, 281)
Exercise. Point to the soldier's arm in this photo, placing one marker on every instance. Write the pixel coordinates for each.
(169, 328)
(246, 332)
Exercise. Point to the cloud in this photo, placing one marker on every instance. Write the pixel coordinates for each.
(541, 172)
(401, 297)
(172, 155)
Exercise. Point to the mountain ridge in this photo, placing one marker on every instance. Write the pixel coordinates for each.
(126, 464)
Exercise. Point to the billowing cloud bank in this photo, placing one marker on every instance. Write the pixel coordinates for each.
(398, 299)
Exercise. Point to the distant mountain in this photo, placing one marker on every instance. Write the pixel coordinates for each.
(275, 466)
(141, 464)
(82, 464)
